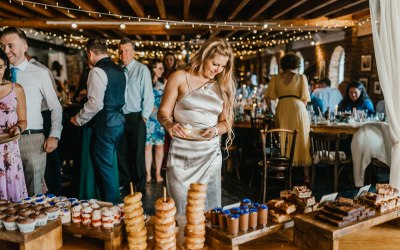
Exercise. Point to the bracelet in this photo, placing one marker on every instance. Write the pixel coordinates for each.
(215, 131)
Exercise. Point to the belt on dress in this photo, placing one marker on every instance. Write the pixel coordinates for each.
(289, 96)
(32, 131)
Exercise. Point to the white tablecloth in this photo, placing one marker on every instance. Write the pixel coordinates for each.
(372, 140)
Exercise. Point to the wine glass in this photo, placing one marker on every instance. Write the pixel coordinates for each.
(380, 116)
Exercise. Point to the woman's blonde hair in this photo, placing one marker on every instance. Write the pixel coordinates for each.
(225, 79)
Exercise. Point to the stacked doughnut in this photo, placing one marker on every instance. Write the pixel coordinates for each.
(195, 230)
(134, 221)
(165, 224)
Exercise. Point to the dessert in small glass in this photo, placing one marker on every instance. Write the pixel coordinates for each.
(233, 224)
(262, 215)
(244, 220)
(222, 219)
(253, 217)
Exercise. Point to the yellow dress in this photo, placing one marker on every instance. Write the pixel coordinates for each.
(291, 112)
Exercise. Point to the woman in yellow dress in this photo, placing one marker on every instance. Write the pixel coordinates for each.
(292, 91)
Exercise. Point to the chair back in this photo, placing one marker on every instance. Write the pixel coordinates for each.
(278, 146)
(322, 144)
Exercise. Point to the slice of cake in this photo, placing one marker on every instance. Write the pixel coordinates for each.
(302, 191)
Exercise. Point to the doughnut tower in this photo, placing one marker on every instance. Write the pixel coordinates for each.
(196, 228)
(165, 224)
(134, 221)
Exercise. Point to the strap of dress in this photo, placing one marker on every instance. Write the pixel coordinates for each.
(188, 84)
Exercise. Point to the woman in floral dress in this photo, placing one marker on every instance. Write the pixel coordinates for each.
(155, 133)
(12, 121)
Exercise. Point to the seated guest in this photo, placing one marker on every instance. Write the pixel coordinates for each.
(342, 87)
(380, 107)
(316, 102)
(330, 96)
(356, 97)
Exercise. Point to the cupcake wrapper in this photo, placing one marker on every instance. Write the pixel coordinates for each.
(10, 225)
(53, 215)
(26, 228)
(41, 221)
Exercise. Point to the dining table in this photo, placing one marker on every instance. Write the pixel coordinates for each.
(337, 128)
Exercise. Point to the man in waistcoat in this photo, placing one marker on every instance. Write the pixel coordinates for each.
(106, 87)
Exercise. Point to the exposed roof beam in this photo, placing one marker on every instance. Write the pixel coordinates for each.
(135, 5)
(289, 8)
(342, 4)
(110, 7)
(262, 9)
(16, 10)
(301, 12)
(86, 6)
(213, 8)
(62, 11)
(352, 10)
(186, 8)
(238, 9)
(40, 10)
(161, 8)
(7, 14)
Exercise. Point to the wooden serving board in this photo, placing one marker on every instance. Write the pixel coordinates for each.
(311, 233)
(47, 237)
(218, 239)
(113, 238)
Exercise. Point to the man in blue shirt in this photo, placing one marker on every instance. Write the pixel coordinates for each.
(139, 101)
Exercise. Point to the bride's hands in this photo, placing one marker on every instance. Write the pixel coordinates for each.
(209, 132)
(175, 129)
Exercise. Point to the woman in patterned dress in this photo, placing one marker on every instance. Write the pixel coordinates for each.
(12, 121)
(155, 133)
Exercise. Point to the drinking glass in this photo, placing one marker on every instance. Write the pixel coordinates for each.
(380, 116)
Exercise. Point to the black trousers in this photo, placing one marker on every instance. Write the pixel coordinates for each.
(131, 156)
(52, 174)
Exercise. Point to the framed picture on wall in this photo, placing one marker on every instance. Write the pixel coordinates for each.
(366, 62)
(364, 80)
(377, 88)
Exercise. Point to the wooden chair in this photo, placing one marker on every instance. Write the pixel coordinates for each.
(278, 146)
(257, 124)
(326, 147)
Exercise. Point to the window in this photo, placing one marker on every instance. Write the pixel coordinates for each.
(301, 67)
(336, 66)
(273, 66)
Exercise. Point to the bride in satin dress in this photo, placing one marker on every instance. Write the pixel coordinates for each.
(202, 95)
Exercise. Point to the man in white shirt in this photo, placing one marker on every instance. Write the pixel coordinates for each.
(38, 87)
(330, 96)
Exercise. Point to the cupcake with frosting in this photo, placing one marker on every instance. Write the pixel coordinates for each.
(26, 225)
(28, 200)
(41, 218)
(95, 206)
(25, 212)
(10, 222)
(53, 212)
(65, 215)
(10, 211)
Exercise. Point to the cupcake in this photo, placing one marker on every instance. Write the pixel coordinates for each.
(27, 200)
(188, 129)
(26, 225)
(25, 205)
(10, 222)
(41, 218)
(25, 212)
(39, 196)
(72, 200)
(65, 215)
(53, 212)
(3, 208)
(95, 206)
(49, 197)
(85, 204)
(39, 207)
(245, 202)
(76, 214)
(40, 201)
(2, 216)
(10, 211)
(92, 201)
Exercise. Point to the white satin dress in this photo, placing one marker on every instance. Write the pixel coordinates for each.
(196, 161)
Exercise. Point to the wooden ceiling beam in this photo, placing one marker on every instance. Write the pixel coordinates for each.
(213, 8)
(39, 10)
(62, 11)
(316, 5)
(161, 8)
(333, 8)
(186, 9)
(352, 10)
(289, 8)
(16, 9)
(110, 6)
(137, 7)
(238, 9)
(85, 5)
(7, 14)
(262, 9)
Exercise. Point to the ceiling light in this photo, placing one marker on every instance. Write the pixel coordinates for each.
(122, 26)
(74, 25)
(265, 26)
(167, 26)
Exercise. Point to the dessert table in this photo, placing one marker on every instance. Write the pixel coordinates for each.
(311, 233)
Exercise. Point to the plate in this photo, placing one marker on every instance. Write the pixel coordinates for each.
(194, 136)
(4, 138)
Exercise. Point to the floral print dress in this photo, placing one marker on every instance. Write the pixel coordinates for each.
(155, 133)
(12, 179)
